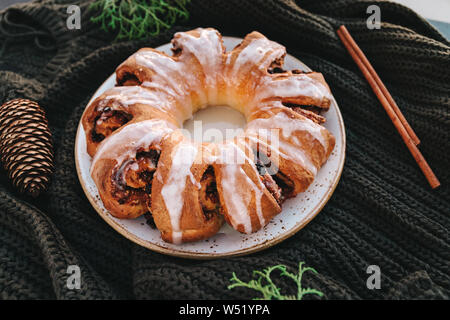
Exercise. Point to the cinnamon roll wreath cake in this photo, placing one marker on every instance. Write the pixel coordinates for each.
(142, 163)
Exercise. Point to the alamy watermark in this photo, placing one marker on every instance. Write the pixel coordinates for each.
(231, 147)
(73, 21)
(74, 280)
(374, 20)
(374, 280)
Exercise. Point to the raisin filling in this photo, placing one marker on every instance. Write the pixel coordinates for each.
(286, 185)
(275, 70)
(276, 67)
(176, 52)
(133, 180)
(107, 122)
(149, 219)
(278, 184)
(269, 182)
(129, 79)
(209, 196)
(308, 111)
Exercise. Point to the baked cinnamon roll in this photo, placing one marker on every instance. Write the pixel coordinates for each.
(124, 166)
(185, 204)
(119, 106)
(247, 199)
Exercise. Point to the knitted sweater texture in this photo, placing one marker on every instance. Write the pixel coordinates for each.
(382, 213)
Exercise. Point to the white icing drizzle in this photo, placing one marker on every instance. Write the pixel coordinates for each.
(289, 146)
(288, 125)
(208, 50)
(231, 156)
(128, 96)
(123, 144)
(176, 79)
(172, 86)
(172, 192)
(260, 52)
(159, 87)
(168, 76)
(165, 69)
(292, 86)
(287, 151)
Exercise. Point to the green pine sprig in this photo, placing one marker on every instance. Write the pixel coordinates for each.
(138, 19)
(267, 287)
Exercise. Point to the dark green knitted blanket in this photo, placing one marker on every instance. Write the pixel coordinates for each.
(382, 213)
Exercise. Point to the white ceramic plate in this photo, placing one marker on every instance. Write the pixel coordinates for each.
(297, 212)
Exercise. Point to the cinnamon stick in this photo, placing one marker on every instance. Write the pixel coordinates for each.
(407, 139)
(380, 84)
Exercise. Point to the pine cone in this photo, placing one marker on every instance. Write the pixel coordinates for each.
(26, 147)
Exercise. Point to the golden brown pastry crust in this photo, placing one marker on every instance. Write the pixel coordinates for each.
(156, 93)
(247, 203)
(313, 149)
(124, 166)
(120, 101)
(172, 180)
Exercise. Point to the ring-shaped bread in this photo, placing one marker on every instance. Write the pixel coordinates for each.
(142, 163)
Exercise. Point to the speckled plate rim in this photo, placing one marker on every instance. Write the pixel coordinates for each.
(203, 255)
